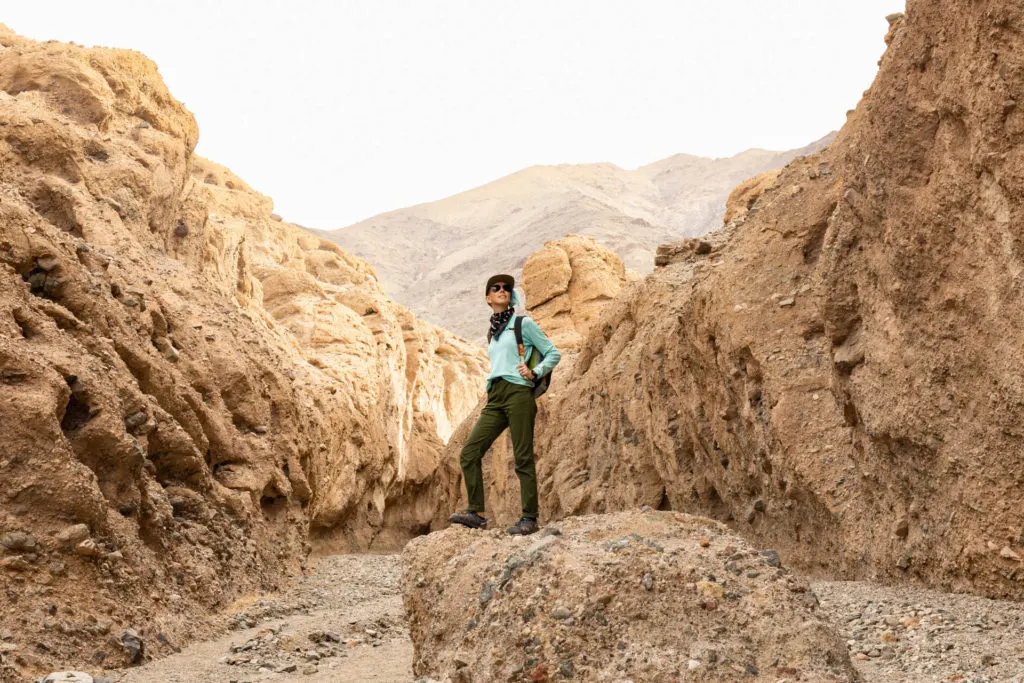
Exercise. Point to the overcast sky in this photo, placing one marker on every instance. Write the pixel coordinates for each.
(342, 110)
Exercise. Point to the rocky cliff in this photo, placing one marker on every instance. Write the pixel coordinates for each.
(434, 257)
(190, 389)
(835, 372)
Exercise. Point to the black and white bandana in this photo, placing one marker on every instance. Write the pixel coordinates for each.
(498, 323)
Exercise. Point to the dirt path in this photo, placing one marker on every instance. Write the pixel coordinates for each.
(344, 622)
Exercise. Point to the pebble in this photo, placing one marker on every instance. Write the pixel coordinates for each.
(771, 558)
(133, 643)
(89, 548)
(486, 593)
(15, 563)
(68, 677)
(1008, 554)
(561, 612)
(18, 542)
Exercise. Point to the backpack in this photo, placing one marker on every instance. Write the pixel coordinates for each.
(541, 385)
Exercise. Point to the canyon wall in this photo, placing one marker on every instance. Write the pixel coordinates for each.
(191, 390)
(567, 283)
(834, 373)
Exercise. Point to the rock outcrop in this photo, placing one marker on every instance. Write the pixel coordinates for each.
(435, 257)
(836, 376)
(746, 194)
(655, 596)
(567, 283)
(189, 388)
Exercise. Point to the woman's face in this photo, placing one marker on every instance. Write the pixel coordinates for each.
(500, 297)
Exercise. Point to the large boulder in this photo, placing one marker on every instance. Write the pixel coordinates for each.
(654, 596)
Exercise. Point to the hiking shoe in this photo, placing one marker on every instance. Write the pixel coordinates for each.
(524, 527)
(469, 518)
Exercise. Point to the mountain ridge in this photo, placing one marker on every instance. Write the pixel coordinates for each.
(430, 256)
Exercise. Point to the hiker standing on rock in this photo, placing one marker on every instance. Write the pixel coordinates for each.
(511, 389)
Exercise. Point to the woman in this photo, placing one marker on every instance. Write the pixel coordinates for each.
(510, 403)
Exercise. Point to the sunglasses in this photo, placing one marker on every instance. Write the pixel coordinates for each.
(499, 287)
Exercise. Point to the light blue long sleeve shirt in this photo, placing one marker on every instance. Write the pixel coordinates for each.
(504, 353)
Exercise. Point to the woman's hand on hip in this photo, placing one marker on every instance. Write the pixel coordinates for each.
(526, 372)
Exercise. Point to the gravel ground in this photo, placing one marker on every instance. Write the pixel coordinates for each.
(902, 634)
(345, 623)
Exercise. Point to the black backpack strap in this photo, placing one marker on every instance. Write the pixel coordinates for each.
(518, 327)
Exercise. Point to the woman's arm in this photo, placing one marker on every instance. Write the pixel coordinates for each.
(538, 340)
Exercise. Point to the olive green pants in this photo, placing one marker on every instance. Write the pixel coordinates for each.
(508, 405)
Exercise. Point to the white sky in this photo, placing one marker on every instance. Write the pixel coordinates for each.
(342, 110)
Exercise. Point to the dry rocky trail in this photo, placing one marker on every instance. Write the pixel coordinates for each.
(345, 622)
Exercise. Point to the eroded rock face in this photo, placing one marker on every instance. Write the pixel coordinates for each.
(188, 387)
(567, 283)
(643, 596)
(837, 375)
(413, 380)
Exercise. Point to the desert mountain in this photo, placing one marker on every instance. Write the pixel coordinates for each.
(435, 257)
(835, 372)
(191, 391)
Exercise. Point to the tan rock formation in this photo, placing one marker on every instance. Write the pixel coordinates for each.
(420, 380)
(836, 377)
(567, 283)
(189, 388)
(628, 596)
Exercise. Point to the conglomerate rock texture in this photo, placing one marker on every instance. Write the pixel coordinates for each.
(190, 389)
(836, 373)
(654, 596)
